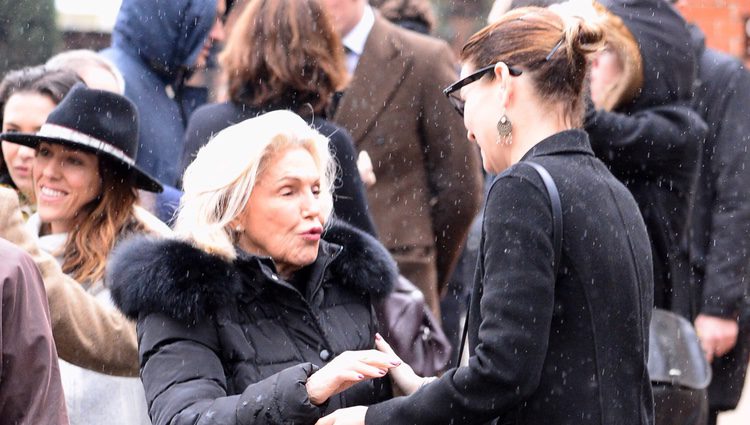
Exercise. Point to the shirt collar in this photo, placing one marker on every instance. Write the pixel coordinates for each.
(356, 38)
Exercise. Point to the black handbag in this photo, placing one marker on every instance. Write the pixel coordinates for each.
(679, 371)
(412, 331)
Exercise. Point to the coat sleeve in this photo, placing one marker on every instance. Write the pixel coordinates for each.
(185, 381)
(453, 167)
(728, 256)
(349, 198)
(30, 388)
(86, 332)
(515, 310)
(662, 141)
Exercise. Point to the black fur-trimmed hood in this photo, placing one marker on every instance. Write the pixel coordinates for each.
(170, 276)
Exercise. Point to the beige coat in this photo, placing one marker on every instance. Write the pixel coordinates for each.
(82, 327)
(428, 186)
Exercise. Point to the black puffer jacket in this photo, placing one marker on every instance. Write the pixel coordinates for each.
(233, 343)
(652, 144)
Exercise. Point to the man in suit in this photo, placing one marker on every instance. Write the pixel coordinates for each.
(428, 175)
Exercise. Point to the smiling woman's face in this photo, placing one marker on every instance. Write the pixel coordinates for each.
(283, 217)
(64, 181)
(24, 112)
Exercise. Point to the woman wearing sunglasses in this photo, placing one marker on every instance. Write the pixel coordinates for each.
(553, 337)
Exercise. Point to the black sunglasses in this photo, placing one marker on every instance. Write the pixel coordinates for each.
(451, 91)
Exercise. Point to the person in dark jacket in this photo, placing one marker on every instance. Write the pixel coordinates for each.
(651, 141)
(302, 77)
(547, 344)
(156, 46)
(255, 314)
(719, 248)
(30, 387)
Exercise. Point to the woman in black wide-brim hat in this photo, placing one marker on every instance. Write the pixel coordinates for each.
(85, 181)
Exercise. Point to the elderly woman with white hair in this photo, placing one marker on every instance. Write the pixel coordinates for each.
(260, 310)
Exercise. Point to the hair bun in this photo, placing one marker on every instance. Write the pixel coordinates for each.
(583, 36)
(582, 25)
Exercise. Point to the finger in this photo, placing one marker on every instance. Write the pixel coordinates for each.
(370, 371)
(380, 359)
(709, 355)
(382, 345)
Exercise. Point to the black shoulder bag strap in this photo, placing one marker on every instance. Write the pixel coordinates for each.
(557, 231)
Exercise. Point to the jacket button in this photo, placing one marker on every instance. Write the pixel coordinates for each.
(325, 355)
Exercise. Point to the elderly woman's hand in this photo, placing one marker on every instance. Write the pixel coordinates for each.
(404, 380)
(347, 369)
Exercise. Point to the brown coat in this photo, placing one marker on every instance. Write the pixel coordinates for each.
(30, 387)
(428, 174)
(83, 328)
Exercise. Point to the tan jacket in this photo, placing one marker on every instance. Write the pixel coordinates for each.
(82, 327)
(428, 186)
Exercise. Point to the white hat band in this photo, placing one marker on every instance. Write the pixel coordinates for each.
(60, 132)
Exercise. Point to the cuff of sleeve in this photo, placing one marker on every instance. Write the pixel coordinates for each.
(717, 310)
(289, 401)
(379, 414)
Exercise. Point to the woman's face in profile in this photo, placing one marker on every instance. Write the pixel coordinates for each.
(65, 180)
(482, 110)
(606, 70)
(24, 112)
(283, 218)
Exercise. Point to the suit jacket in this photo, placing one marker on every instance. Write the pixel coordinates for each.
(84, 330)
(428, 174)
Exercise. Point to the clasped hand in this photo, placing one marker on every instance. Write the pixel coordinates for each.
(405, 382)
(347, 369)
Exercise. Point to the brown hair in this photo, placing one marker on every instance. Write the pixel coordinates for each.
(53, 83)
(547, 48)
(624, 45)
(100, 223)
(284, 54)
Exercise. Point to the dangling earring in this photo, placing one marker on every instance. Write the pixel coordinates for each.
(504, 130)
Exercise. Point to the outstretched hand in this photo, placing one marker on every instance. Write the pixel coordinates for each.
(348, 416)
(403, 377)
(347, 369)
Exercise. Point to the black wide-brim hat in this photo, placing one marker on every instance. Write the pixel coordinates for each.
(97, 121)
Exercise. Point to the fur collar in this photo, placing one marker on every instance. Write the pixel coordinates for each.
(173, 277)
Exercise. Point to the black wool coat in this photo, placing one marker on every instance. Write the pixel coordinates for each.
(232, 342)
(719, 242)
(546, 349)
(349, 198)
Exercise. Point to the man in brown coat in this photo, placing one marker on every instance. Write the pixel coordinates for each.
(428, 185)
(30, 387)
(82, 327)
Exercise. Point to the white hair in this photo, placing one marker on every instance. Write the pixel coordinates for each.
(80, 60)
(218, 183)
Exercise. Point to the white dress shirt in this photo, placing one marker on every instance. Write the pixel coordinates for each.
(354, 41)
